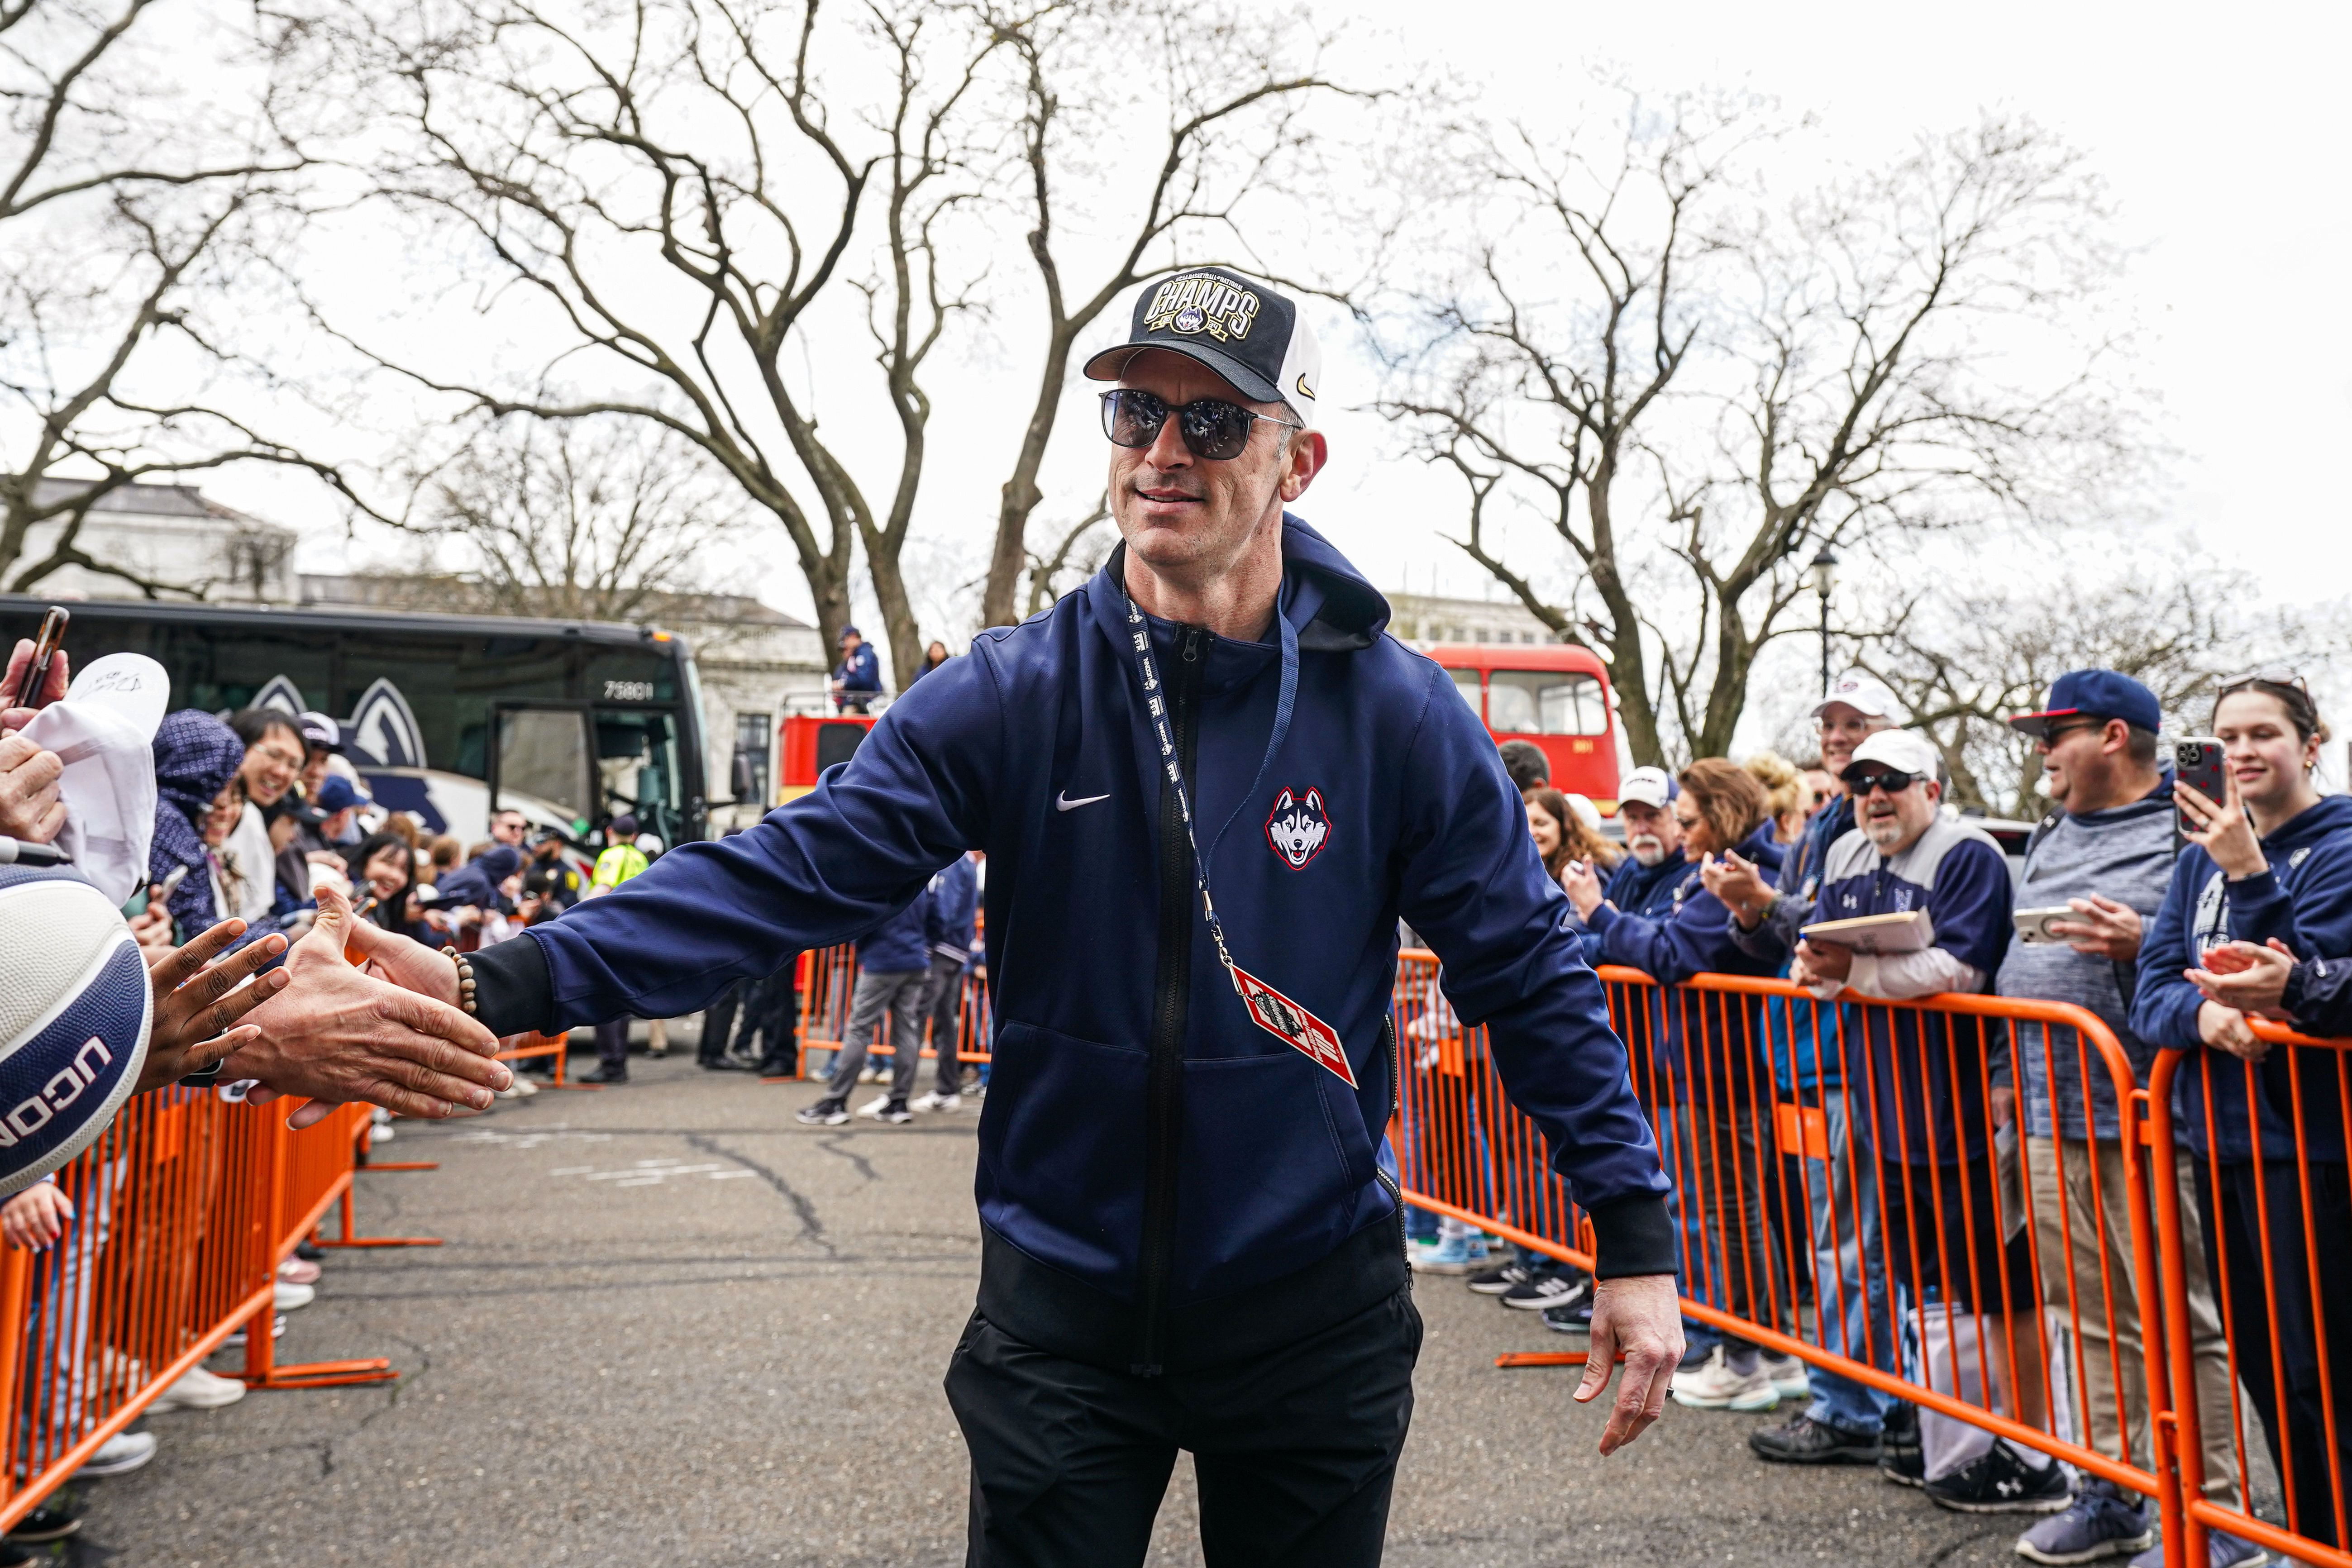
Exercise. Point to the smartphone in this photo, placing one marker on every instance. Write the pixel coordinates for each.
(2197, 762)
(44, 653)
(169, 884)
(2033, 925)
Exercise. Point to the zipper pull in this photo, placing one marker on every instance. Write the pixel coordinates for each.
(1191, 645)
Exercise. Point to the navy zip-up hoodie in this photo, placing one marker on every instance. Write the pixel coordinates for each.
(2305, 899)
(1155, 1168)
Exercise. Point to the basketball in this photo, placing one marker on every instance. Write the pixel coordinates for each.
(73, 1021)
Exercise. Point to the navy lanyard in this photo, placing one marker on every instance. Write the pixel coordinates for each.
(1155, 699)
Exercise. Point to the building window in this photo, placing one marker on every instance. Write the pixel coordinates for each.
(754, 735)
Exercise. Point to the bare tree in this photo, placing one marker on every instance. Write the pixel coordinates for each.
(601, 522)
(685, 189)
(1694, 388)
(1084, 546)
(1975, 650)
(127, 209)
(1226, 90)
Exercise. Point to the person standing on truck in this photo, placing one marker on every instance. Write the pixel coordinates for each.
(1208, 784)
(858, 678)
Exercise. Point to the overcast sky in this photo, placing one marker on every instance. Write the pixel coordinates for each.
(2215, 134)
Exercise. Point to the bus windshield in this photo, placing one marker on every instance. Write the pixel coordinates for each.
(447, 717)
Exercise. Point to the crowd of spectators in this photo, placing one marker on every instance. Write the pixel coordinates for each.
(2172, 916)
(261, 830)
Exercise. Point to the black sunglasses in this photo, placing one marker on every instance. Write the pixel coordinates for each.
(1891, 782)
(1212, 428)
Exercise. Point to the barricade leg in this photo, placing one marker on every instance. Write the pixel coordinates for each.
(2271, 1290)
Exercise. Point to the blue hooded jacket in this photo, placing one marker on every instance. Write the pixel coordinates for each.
(955, 897)
(1156, 1171)
(899, 944)
(2305, 899)
(1692, 935)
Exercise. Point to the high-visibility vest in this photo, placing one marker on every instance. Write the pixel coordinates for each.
(618, 864)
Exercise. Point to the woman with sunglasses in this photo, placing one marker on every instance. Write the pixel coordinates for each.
(2271, 861)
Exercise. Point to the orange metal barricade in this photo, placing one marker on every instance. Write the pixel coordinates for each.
(1987, 1305)
(2274, 1215)
(182, 1210)
(534, 1045)
(828, 980)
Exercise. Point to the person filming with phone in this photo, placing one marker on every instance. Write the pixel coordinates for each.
(2268, 861)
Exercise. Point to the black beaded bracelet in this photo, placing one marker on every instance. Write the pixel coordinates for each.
(465, 976)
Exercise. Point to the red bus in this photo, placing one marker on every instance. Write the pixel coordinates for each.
(1553, 694)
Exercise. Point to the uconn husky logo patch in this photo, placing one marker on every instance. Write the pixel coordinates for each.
(1298, 828)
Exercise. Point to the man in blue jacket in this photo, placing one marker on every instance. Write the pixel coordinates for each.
(892, 971)
(954, 896)
(858, 678)
(1208, 787)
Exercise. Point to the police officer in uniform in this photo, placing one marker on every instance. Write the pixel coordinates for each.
(1208, 785)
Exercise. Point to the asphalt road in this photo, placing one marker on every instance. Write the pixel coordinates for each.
(671, 1327)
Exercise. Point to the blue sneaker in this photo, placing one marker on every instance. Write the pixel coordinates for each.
(2101, 1520)
(2221, 1550)
(1449, 1255)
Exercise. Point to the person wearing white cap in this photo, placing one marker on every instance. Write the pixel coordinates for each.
(1917, 1101)
(1844, 1421)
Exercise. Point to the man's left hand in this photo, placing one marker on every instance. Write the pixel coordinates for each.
(1640, 1319)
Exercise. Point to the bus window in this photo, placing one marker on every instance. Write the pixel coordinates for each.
(1465, 682)
(636, 763)
(1544, 702)
(543, 753)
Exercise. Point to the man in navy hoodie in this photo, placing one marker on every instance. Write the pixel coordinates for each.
(955, 894)
(1208, 787)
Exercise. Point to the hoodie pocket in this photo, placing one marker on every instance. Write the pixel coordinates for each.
(1268, 1184)
(1061, 1151)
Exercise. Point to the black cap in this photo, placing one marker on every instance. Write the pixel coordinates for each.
(1238, 326)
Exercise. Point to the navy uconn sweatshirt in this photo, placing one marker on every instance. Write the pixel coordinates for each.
(1161, 1182)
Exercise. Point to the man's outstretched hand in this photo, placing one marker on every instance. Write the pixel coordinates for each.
(1640, 1319)
(198, 1002)
(336, 1033)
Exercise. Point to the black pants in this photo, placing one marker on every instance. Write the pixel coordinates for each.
(2231, 1219)
(1296, 1450)
(772, 1010)
(718, 1020)
(613, 1045)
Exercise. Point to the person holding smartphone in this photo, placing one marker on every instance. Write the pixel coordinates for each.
(2270, 861)
(2104, 855)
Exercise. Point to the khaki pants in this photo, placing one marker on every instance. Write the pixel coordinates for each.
(2066, 1228)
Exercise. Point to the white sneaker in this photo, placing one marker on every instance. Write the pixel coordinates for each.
(1788, 1377)
(198, 1390)
(122, 1452)
(935, 1101)
(379, 1134)
(523, 1086)
(276, 1332)
(869, 1073)
(290, 1295)
(1714, 1387)
(874, 1107)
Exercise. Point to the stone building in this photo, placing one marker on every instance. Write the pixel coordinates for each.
(170, 536)
(1424, 620)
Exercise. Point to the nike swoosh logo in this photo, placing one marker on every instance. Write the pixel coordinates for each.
(1062, 801)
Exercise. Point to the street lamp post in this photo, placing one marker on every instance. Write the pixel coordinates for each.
(1824, 573)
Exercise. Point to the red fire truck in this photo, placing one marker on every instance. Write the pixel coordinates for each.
(1557, 696)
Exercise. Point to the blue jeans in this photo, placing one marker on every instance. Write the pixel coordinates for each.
(1846, 1248)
